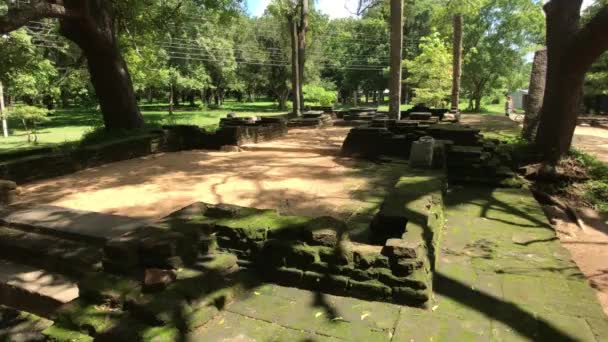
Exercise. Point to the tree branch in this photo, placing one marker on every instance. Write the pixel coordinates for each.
(18, 17)
(590, 42)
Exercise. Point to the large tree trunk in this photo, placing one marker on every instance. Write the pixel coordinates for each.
(295, 69)
(536, 91)
(91, 25)
(457, 62)
(571, 50)
(95, 34)
(396, 58)
(302, 29)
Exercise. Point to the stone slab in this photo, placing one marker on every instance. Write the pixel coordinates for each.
(32, 289)
(71, 223)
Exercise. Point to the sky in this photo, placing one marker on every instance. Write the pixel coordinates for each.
(333, 8)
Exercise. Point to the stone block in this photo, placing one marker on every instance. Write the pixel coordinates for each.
(341, 255)
(334, 284)
(8, 192)
(382, 261)
(156, 279)
(107, 288)
(372, 290)
(324, 237)
(287, 276)
(123, 249)
(405, 267)
(400, 249)
(219, 263)
(409, 296)
(273, 254)
(364, 256)
(208, 244)
(302, 256)
(312, 280)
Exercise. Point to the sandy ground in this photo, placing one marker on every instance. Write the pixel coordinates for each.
(302, 183)
(593, 140)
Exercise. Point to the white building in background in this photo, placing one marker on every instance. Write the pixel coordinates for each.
(520, 98)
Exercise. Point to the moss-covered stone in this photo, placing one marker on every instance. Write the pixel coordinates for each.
(107, 288)
(416, 280)
(320, 267)
(220, 263)
(365, 256)
(312, 280)
(273, 254)
(382, 261)
(399, 248)
(159, 308)
(340, 255)
(167, 333)
(326, 231)
(334, 284)
(302, 256)
(197, 315)
(405, 267)
(287, 276)
(56, 333)
(409, 296)
(372, 289)
(93, 319)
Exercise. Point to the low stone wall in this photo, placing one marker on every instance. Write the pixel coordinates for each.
(49, 163)
(58, 163)
(459, 149)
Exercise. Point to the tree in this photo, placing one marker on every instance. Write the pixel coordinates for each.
(92, 26)
(30, 117)
(302, 30)
(536, 91)
(498, 37)
(396, 58)
(3, 111)
(457, 62)
(430, 72)
(571, 51)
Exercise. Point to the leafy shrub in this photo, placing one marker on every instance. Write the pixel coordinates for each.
(314, 94)
(30, 118)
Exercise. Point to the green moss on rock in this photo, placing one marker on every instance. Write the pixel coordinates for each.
(372, 289)
(56, 333)
(104, 287)
(167, 333)
(90, 318)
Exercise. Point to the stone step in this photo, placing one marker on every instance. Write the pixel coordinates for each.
(79, 225)
(34, 290)
(49, 252)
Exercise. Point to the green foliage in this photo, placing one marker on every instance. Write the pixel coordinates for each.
(498, 34)
(314, 94)
(30, 117)
(431, 71)
(595, 190)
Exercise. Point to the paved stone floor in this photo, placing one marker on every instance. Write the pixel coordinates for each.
(501, 276)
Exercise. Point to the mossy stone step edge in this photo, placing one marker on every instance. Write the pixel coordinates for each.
(48, 252)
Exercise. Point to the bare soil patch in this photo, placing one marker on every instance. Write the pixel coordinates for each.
(298, 183)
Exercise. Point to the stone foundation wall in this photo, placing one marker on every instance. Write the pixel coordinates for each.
(310, 253)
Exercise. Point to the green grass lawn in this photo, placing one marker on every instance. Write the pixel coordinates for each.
(68, 125)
